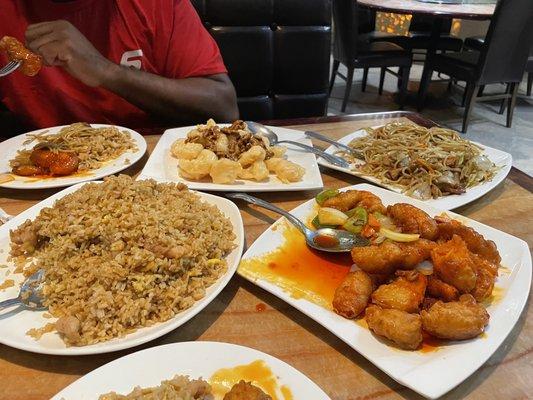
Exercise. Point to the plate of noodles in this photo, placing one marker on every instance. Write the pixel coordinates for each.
(194, 371)
(435, 165)
(123, 262)
(66, 155)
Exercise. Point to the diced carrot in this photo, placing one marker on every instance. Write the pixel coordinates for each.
(373, 222)
(367, 231)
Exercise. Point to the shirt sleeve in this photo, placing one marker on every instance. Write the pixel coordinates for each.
(192, 51)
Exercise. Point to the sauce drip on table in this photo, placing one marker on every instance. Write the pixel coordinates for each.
(257, 372)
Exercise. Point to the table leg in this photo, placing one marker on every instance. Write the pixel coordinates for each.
(427, 72)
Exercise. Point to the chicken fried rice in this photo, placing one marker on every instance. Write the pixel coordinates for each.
(123, 254)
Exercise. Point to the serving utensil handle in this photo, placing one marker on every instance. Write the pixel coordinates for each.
(324, 138)
(9, 303)
(269, 206)
(333, 159)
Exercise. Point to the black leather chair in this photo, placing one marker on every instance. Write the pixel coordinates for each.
(351, 52)
(501, 60)
(277, 53)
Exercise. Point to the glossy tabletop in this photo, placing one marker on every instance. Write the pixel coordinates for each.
(247, 315)
(462, 11)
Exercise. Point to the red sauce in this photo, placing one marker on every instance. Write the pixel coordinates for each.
(326, 241)
(260, 307)
(430, 343)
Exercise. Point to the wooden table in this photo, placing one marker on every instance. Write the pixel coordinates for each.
(284, 332)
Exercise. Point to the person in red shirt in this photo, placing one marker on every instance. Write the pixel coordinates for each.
(136, 63)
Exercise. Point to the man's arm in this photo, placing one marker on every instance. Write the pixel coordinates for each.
(61, 44)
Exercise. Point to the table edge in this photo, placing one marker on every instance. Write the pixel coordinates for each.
(441, 14)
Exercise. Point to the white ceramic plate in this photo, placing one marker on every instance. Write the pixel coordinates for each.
(9, 148)
(432, 373)
(163, 167)
(15, 323)
(197, 359)
(500, 158)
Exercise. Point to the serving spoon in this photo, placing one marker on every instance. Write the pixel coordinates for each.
(324, 239)
(257, 128)
(30, 295)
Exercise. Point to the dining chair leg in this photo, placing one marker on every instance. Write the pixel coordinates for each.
(424, 86)
(349, 80)
(512, 103)
(471, 96)
(463, 101)
(503, 102)
(365, 77)
(334, 70)
(381, 81)
(529, 83)
(481, 90)
(404, 79)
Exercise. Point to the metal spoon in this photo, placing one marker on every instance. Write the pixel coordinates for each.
(325, 239)
(324, 138)
(30, 295)
(257, 128)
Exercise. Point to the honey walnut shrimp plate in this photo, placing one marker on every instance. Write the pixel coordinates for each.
(230, 153)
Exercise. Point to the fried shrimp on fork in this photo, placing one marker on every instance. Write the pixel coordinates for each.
(352, 295)
(400, 327)
(405, 293)
(389, 256)
(345, 201)
(413, 220)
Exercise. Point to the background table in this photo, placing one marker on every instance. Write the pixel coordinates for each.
(286, 333)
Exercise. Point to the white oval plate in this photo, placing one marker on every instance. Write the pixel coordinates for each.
(163, 167)
(433, 373)
(16, 322)
(500, 158)
(149, 367)
(9, 148)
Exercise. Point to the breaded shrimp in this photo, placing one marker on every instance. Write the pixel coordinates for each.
(475, 242)
(405, 293)
(452, 264)
(345, 201)
(456, 320)
(413, 220)
(246, 391)
(389, 256)
(441, 290)
(400, 327)
(486, 276)
(352, 295)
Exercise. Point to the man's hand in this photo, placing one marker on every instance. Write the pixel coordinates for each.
(61, 44)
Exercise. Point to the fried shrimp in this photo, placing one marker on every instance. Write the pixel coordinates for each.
(389, 256)
(345, 201)
(31, 63)
(413, 220)
(457, 320)
(352, 295)
(441, 290)
(246, 391)
(475, 242)
(452, 264)
(486, 276)
(400, 327)
(405, 293)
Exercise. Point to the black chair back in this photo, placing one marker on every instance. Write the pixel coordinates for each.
(345, 30)
(508, 42)
(424, 23)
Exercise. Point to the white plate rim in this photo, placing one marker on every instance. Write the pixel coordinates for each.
(171, 324)
(109, 168)
(207, 346)
(150, 169)
(428, 388)
(447, 202)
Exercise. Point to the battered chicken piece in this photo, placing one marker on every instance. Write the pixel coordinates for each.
(345, 201)
(352, 295)
(486, 276)
(413, 220)
(441, 290)
(31, 63)
(400, 327)
(475, 242)
(246, 391)
(456, 320)
(452, 264)
(405, 293)
(389, 256)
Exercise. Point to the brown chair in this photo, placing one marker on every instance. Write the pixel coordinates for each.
(353, 53)
(501, 60)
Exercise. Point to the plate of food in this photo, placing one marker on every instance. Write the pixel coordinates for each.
(230, 158)
(66, 155)
(194, 370)
(427, 292)
(435, 165)
(124, 261)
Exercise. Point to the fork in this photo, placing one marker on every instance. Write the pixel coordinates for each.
(4, 217)
(9, 68)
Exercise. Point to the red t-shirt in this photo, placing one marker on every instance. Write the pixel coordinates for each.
(164, 37)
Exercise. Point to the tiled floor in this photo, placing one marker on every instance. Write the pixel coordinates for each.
(486, 126)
